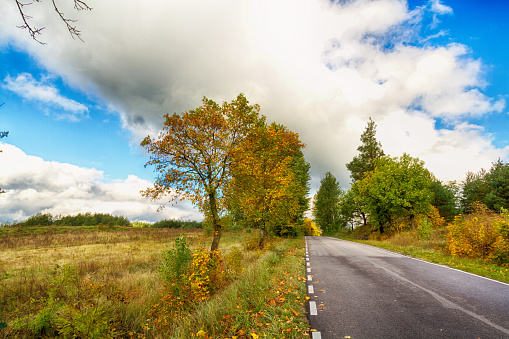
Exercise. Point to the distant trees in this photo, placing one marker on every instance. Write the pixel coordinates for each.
(488, 187)
(80, 219)
(326, 204)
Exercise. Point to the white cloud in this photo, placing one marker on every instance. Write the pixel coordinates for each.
(320, 68)
(27, 87)
(34, 185)
(438, 7)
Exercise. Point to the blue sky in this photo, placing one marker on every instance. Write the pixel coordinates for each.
(432, 74)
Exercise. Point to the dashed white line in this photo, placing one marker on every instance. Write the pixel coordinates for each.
(312, 308)
(316, 335)
(311, 289)
(309, 270)
(310, 277)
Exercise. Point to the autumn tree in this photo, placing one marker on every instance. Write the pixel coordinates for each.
(396, 187)
(326, 204)
(193, 155)
(264, 188)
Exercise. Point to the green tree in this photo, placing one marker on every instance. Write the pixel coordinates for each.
(193, 155)
(397, 187)
(326, 204)
(498, 181)
(445, 198)
(369, 151)
(474, 188)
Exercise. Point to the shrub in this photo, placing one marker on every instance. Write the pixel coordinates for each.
(482, 234)
(175, 264)
(310, 228)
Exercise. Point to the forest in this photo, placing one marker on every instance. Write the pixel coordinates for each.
(390, 195)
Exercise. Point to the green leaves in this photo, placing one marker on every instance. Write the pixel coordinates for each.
(326, 204)
(397, 187)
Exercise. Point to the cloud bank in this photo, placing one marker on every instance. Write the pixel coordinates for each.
(319, 67)
(33, 185)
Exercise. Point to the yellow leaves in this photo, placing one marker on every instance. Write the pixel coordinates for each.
(201, 333)
(254, 335)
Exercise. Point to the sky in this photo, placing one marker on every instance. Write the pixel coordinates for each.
(432, 74)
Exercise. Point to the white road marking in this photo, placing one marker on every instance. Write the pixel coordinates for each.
(311, 290)
(312, 308)
(308, 264)
(316, 335)
(310, 277)
(309, 270)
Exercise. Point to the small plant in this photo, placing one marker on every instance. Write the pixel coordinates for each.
(175, 264)
(425, 229)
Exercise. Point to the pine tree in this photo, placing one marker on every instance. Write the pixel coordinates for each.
(370, 150)
(326, 204)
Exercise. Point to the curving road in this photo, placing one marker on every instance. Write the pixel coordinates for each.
(359, 291)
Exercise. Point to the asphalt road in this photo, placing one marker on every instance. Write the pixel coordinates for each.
(361, 291)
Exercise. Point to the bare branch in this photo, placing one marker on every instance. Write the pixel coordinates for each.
(79, 5)
(34, 32)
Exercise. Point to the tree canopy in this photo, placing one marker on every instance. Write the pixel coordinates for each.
(396, 187)
(264, 187)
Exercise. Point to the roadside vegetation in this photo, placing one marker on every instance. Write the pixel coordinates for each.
(127, 283)
(398, 204)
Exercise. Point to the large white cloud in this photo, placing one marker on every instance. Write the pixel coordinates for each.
(34, 185)
(321, 68)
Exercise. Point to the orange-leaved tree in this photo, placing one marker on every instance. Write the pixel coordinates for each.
(193, 155)
(263, 186)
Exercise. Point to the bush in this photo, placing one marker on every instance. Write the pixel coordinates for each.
(310, 228)
(175, 264)
(482, 234)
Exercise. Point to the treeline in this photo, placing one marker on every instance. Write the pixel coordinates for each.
(399, 193)
(96, 219)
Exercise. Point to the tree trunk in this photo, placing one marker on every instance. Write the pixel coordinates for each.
(412, 221)
(215, 222)
(261, 244)
(364, 219)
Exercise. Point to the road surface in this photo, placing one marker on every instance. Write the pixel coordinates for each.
(359, 291)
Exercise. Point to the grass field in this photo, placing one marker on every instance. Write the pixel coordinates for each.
(104, 282)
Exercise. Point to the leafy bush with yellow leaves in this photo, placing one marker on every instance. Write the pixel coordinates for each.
(311, 229)
(482, 234)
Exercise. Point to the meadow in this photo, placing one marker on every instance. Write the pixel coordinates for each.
(106, 282)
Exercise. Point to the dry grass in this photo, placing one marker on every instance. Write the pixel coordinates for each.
(121, 268)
